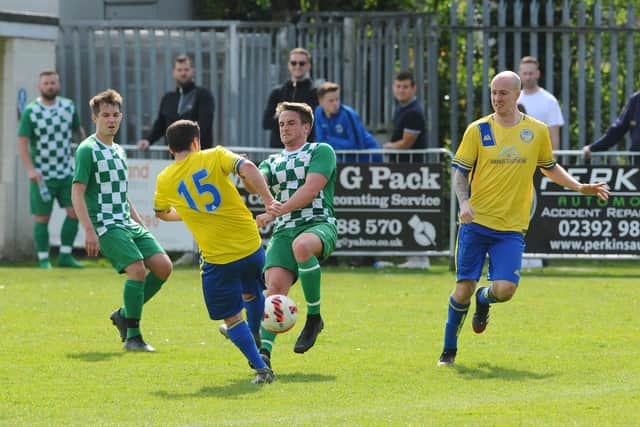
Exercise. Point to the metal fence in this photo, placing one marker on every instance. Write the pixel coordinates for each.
(587, 57)
(240, 62)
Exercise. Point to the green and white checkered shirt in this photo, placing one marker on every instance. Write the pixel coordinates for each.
(103, 169)
(49, 129)
(287, 171)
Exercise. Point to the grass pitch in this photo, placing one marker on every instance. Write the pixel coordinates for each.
(563, 352)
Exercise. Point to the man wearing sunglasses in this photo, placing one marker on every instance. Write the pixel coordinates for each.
(299, 88)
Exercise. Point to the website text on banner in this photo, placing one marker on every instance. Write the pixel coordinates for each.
(564, 223)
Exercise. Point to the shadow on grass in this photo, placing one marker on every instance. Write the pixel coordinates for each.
(487, 370)
(300, 377)
(243, 387)
(95, 356)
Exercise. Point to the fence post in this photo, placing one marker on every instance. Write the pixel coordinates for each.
(233, 85)
(348, 59)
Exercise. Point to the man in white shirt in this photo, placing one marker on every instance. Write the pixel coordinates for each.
(539, 103)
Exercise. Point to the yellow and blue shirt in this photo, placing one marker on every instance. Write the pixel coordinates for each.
(205, 197)
(500, 163)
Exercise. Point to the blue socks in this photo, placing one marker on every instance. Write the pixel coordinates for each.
(455, 320)
(485, 296)
(241, 336)
(255, 309)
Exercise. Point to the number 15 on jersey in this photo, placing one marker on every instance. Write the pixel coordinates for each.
(203, 189)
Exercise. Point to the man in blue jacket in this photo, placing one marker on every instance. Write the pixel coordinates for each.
(339, 126)
(627, 121)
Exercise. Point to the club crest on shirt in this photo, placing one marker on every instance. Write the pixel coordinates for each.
(526, 135)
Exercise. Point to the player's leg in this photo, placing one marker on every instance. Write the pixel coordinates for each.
(156, 260)
(133, 296)
(505, 262)
(279, 280)
(280, 267)
(61, 190)
(118, 247)
(41, 210)
(239, 333)
(222, 287)
(309, 248)
(252, 293)
(469, 260)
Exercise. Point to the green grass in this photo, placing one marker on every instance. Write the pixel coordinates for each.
(565, 351)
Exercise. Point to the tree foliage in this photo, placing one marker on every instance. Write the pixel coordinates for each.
(260, 10)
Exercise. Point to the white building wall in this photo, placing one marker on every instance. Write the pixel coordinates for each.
(25, 50)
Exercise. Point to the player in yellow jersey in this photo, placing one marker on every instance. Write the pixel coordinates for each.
(197, 189)
(493, 180)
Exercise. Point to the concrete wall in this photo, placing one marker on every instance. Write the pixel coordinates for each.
(27, 46)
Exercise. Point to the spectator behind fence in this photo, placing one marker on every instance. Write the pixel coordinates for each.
(339, 126)
(494, 191)
(44, 145)
(299, 88)
(408, 119)
(408, 134)
(539, 103)
(627, 121)
(188, 102)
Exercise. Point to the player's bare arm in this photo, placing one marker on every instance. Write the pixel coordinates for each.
(314, 183)
(168, 215)
(561, 177)
(254, 181)
(91, 242)
(461, 187)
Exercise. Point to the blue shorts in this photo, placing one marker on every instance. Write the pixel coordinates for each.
(224, 284)
(505, 249)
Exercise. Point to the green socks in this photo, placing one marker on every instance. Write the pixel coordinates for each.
(136, 294)
(41, 239)
(68, 232)
(133, 300)
(152, 285)
(267, 338)
(67, 236)
(309, 272)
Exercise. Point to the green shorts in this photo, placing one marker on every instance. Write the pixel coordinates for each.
(280, 247)
(124, 246)
(60, 190)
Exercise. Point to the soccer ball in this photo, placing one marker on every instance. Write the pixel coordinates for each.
(280, 314)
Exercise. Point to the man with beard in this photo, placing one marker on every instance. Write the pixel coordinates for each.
(188, 102)
(44, 145)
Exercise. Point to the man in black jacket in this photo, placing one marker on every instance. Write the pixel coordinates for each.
(299, 88)
(188, 102)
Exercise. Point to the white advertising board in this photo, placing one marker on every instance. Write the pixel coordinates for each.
(173, 236)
